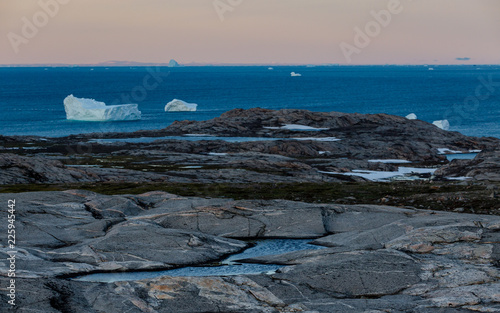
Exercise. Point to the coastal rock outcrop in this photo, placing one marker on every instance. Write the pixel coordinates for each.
(17, 169)
(485, 166)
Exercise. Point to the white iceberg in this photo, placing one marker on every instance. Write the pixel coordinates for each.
(81, 109)
(411, 116)
(443, 124)
(173, 63)
(177, 105)
(293, 74)
(270, 68)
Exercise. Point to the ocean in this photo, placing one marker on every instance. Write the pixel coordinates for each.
(31, 99)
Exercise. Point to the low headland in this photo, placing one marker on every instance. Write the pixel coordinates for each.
(408, 215)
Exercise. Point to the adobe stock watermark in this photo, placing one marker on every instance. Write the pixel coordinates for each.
(31, 26)
(151, 81)
(363, 37)
(484, 91)
(140, 92)
(224, 6)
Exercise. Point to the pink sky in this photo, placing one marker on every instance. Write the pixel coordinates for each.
(256, 31)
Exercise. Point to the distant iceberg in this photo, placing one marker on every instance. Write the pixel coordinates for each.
(270, 68)
(81, 109)
(173, 63)
(443, 124)
(411, 116)
(177, 105)
(293, 74)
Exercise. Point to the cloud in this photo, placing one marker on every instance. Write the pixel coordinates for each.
(462, 59)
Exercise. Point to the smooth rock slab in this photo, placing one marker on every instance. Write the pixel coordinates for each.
(139, 245)
(356, 274)
(242, 219)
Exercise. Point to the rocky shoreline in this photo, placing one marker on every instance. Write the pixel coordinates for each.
(311, 178)
(360, 142)
(377, 257)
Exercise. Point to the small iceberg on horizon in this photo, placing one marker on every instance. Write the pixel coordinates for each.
(293, 74)
(270, 68)
(177, 105)
(81, 109)
(443, 124)
(173, 63)
(411, 116)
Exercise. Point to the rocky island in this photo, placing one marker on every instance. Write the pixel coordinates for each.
(401, 227)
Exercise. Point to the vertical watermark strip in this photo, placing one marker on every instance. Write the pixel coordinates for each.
(11, 244)
(224, 6)
(31, 26)
(372, 29)
(485, 89)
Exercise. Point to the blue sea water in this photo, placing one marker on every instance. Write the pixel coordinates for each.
(31, 99)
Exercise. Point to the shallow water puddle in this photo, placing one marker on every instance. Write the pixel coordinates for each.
(228, 266)
(461, 156)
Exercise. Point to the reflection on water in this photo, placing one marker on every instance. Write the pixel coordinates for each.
(229, 266)
(461, 156)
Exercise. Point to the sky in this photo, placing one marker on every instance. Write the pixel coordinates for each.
(250, 31)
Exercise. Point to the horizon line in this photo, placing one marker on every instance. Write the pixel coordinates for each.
(196, 64)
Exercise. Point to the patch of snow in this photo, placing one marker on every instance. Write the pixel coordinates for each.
(318, 138)
(296, 127)
(475, 151)
(322, 152)
(177, 105)
(403, 172)
(411, 116)
(192, 167)
(458, 178)
(81, 109)
(217, 153)
(198, 135)
(448, 151)
(293, 74)
(443, 124)
(389, 161)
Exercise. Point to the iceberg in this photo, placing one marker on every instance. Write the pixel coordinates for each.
(173, 63)
(411, 116)
(443, 124)
(81, 109)
(293, 74)
(177, 105)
